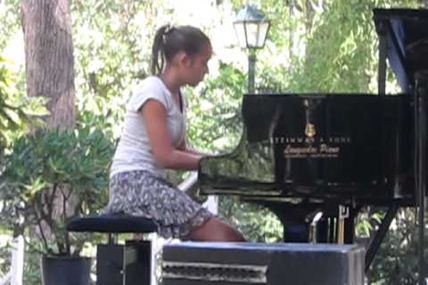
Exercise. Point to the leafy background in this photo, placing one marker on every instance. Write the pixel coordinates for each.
(306, 52)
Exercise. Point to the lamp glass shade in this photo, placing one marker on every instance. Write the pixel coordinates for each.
(241, 34)
(251, 27)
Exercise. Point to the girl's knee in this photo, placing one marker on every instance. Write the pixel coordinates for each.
(215, 230)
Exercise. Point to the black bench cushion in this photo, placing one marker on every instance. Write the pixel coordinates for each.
(117, 223)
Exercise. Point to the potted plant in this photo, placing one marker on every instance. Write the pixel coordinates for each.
(47, 178)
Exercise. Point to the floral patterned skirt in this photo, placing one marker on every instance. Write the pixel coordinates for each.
(140, 193)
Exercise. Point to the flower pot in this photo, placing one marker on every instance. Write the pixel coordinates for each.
(65, 270)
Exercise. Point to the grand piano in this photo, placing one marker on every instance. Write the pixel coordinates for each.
(325, 156)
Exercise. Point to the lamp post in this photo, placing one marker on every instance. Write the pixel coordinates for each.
(251, 27)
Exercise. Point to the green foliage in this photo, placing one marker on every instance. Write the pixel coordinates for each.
(17, 113)
(345, 58)
(397, 260)
(32, 272)
(4, 259)
(257, 224)
(338, 59)
(51, 176)
(9, 13)
(215, 111)
(112, 50)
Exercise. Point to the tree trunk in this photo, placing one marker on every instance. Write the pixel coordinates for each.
(49, 58)
(49, 65)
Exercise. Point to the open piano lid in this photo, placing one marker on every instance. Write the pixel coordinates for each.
(406, 35)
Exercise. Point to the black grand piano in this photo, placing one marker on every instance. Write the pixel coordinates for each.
(306, 156)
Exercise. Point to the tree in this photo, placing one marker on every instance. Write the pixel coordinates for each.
(49, 69)
(49, 58)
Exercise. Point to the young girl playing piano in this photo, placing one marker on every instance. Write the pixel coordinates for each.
(153, 139)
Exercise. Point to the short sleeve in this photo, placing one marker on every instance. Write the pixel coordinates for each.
(148, 89)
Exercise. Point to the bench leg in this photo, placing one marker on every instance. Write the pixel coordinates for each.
(136, 262)
(127, 264)
(109, 264)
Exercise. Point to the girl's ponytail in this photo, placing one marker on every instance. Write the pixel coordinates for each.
(158, 50)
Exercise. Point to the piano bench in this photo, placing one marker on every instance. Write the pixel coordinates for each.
(119, 264)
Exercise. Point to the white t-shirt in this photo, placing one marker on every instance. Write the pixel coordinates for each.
(133, 151)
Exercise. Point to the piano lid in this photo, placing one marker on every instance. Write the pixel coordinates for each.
(406, 34)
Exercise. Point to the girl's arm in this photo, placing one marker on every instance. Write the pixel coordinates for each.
(184, 147)
(165, 154)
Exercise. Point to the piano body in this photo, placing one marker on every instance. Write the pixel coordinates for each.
(303, 155)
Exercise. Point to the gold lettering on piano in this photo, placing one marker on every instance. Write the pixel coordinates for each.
(310, 151)
(308, 140)
(325, 148)
(298, 150)
(339, 140)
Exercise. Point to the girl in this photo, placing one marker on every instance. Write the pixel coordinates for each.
(153, 139)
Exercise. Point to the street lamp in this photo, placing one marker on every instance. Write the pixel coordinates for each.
(251, 27)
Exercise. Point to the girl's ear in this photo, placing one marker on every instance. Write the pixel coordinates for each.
(182, 58)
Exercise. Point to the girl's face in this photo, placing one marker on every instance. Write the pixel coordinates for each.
(197, 65)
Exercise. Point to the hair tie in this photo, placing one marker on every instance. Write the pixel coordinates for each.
(168, 30)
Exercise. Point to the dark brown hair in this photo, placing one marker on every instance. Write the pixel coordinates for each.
(170, 40)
